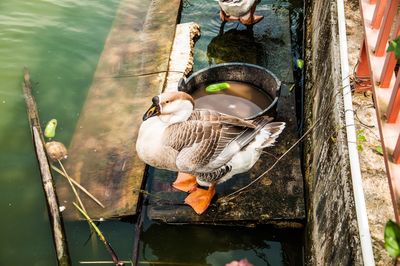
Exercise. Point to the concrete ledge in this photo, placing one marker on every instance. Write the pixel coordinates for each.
(332, 232)
(181, 58)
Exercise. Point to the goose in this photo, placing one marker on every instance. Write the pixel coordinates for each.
(239, 10)
(204, 146)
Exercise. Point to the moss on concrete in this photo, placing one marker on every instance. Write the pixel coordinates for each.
(332, 233)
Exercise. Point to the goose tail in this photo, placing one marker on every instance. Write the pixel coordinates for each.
(271, 132)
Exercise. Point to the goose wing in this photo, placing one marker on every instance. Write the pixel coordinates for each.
(210, 115)
(207, 140)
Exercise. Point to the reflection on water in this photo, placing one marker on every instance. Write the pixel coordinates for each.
(234, 46)
(228, 104)
(240, 99)
(218, 245)
(266, 43)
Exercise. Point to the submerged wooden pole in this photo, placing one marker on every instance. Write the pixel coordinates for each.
(57, 226)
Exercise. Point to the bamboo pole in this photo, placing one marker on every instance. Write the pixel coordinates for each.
(107, 244)
(136, 240)
(57, 226)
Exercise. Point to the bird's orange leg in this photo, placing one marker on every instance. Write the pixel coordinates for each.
(185, 182)
(250, 18)
(200, 199)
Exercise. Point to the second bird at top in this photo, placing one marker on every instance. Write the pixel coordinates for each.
(239, 10)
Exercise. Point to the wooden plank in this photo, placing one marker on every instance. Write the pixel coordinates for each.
(390, 63)
(131, 70)
(386, 28)
(278, 198)
(378, 14)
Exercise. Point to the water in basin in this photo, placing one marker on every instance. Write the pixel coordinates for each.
(240, 99)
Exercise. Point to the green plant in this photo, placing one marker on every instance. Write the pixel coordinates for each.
(394, 46)
(360, 139)
(379, 150)
(300, 63)
(392, 239)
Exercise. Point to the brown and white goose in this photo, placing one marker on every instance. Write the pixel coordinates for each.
(206, 147)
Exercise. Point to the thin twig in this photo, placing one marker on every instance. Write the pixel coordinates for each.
(101, 236)
(230, 196)
(77, 184)
(292, 147)
(269, 153)
(156, 198)
(103, 262)
(72, 186)
(145, 263)
(136, 241)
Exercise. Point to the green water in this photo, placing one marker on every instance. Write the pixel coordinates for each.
(61, 41)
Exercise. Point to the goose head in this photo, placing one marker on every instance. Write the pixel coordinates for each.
(171, 107)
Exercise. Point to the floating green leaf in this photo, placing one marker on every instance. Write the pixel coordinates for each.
(216, 87)
(392, 237)
(394, 47)
(300, 63)
(50, 130)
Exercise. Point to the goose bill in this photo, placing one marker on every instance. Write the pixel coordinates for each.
(152, 111)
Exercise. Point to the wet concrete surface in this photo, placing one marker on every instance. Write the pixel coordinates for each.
(332, 230)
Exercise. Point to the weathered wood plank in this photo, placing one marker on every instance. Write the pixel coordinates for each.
(278, 198)
(131, 70)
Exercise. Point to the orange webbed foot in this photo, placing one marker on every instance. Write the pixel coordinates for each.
(251, 20)
(185, 182)
(200, 199)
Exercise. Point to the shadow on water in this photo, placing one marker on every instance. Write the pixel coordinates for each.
(218, 245)
(234, 46)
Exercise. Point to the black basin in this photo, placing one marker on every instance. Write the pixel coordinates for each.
(258, 77)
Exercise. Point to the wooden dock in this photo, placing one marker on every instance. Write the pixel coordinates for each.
(131, 70)
(278, 198)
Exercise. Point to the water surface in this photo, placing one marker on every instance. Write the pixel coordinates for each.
(240, 99)
(60, 42)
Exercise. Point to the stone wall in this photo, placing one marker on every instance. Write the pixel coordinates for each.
(332, 236)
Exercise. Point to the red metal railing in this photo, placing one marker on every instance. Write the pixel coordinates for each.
(378, 66)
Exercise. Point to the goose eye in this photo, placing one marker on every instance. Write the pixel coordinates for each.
(167, 102)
